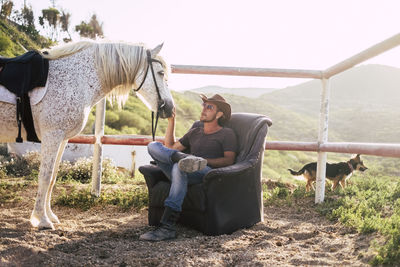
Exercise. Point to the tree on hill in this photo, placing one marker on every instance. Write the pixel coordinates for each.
(91, 30)
(65, 23)
(50, 19)
(6, 8)
(26, 21)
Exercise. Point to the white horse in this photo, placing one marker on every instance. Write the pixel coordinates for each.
(80, 75)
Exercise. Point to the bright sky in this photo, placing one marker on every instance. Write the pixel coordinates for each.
(294, 34)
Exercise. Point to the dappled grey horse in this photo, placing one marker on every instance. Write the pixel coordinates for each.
(80, 75)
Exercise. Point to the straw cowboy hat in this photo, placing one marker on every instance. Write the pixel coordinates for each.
(222, 105)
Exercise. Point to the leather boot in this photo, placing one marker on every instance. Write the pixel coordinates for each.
(167, 230)
(188, 163)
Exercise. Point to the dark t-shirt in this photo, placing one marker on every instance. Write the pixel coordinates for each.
(209, 145)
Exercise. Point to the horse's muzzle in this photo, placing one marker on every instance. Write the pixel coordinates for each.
(165, 108)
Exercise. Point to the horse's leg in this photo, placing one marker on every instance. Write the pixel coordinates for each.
(51, 142)
(53, 218)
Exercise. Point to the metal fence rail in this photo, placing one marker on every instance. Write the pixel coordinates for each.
(241, 71)
(383, 150)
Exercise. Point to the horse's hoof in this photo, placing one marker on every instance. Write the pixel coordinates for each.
(34, 221)
(53, 218)
(46, 226)
(41, 224)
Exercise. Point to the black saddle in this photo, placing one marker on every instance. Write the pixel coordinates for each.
(20, 75)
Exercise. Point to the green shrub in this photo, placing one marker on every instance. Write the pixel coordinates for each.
(32, 159)
(5, 43)
(9, 192)
(81, 171)
(3, 171)
(370, 205)
(3, 150)
(136, 198)
(17, 166)
(279, 192)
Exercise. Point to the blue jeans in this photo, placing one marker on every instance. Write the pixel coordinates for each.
(179, 179)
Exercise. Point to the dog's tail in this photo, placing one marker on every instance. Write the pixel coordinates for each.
(300, 172)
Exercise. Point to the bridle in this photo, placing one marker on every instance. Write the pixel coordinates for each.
(161, 103)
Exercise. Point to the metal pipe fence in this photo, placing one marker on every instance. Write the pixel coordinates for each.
(373, 149)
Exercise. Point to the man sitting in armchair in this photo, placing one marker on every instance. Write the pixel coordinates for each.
(211, 146)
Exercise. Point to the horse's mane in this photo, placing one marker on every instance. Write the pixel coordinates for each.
(117, 64)
(66, 49)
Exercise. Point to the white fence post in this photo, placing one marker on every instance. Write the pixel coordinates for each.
(98, 150)
(322, 139)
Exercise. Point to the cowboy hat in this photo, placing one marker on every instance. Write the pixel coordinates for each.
(222, 105)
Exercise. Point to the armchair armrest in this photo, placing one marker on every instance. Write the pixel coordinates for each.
(152, 175)
(230, 171)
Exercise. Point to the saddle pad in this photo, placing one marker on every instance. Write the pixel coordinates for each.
(36, 95)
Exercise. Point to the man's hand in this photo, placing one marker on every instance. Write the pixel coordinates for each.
(173, 114)
(227, 160)
(170, 132)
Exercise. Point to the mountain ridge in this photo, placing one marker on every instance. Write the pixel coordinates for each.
(363, 107)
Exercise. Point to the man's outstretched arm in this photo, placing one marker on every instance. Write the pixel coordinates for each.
(228, 159)
(170, 140)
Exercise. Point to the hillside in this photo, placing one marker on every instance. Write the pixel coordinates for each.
(135, 118)
(287, 124)
(14, 42)
(363, 108)
(374, 85)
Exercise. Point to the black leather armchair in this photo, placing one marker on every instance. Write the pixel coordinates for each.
(229, 198)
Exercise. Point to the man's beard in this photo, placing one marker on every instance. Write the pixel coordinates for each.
(208, 120)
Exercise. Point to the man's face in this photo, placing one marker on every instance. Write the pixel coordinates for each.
(209, 112)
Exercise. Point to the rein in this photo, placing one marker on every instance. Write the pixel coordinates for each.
(161, 103)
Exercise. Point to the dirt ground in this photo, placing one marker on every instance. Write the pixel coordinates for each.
(289, 236)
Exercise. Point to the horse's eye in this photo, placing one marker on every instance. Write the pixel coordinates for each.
(161, 72)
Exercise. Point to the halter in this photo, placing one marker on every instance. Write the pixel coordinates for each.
(161, 103)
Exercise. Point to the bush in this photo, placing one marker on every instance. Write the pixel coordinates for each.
(16, 166)
(136, 198)
(5, 43)
(3, 172)
(370, 205)
(81, 171)
(3, 151)
(28, 165)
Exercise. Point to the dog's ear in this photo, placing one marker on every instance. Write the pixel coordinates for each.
(358, 156)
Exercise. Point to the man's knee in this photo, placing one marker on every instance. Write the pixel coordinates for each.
(153, 146)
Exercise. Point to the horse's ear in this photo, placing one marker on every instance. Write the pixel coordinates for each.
(156, 50)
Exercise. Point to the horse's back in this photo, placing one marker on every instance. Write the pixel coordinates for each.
(72, 83)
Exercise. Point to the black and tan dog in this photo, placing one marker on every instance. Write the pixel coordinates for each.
(336, 172)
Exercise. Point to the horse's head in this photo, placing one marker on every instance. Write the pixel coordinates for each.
(153, 89)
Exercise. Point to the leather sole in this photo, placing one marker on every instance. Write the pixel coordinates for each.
(192, 164)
